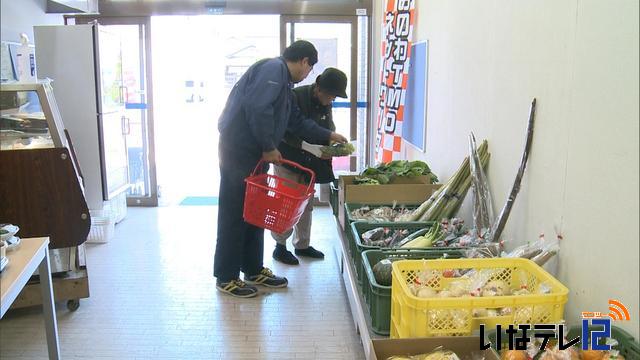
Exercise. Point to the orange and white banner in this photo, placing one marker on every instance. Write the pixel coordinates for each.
(397, 36)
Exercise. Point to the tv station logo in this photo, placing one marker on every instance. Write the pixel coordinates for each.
(618, 312)
(596, 328)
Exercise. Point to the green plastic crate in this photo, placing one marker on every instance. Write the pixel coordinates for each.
(627, 345)
(359, 227)
(378, 297)
(348, 208)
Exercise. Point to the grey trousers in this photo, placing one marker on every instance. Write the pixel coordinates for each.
(302, 229)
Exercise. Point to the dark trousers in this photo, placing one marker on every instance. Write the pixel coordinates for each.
(240, 246)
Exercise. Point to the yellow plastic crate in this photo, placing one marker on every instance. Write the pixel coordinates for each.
(412, 316)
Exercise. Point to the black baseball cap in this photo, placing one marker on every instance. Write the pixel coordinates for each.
(333, 81)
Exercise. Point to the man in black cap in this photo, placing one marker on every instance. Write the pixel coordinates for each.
(259, 110)
(314, 102)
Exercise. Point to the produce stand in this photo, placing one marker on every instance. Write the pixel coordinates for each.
(414, 191)
(357, 302)
(361, 318)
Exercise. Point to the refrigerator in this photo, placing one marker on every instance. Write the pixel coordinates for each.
(85, 64)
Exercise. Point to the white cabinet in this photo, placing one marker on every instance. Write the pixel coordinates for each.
(85, 64)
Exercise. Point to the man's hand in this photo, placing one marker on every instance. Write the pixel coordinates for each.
(335, 137)
(272, 156)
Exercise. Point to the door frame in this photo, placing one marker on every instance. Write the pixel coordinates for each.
(148, 132)
(353, 90)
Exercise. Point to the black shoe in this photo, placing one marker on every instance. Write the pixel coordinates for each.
(237, 288)
(266, 278)
(284, 256)
(310, 252)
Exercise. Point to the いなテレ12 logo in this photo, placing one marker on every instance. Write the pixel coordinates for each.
(618, 312)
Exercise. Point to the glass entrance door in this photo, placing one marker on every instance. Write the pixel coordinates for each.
(137, 122)
(340, 46)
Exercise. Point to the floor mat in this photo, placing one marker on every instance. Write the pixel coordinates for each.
(199, 201)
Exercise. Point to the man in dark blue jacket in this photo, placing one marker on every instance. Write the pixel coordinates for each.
(259, 110)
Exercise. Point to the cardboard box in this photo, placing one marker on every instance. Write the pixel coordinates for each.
(403, 190)
(463, 346)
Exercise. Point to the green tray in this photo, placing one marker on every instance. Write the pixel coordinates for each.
(627, 345)
(378, 297)
(359, 227)
(348, 208)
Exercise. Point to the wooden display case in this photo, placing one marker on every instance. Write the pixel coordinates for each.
(41, 187)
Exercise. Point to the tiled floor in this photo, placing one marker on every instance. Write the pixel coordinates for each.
(153, 297)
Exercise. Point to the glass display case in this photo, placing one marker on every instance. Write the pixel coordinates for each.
(43, 192)
(29, 118)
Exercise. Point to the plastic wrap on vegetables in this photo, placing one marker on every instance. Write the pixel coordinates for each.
(486, 250)
(337, 150)
(397, 237)
(482, 207)
(478, 280)
(383, 237)
(457, 318)
(523, 284)
(379, 214)
(526, 251)
(374, 234)
(549, 250)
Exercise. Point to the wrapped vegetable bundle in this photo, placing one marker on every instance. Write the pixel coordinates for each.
(482, 207)
(379, 214)
(489, 283)
(384, 237)
(482, 283)
(540, 251)
(337, 150)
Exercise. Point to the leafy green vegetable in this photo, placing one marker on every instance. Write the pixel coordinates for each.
(363, 180)
(338, 149)
(384, 173)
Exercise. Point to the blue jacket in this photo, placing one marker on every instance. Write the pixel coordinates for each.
(261, 108)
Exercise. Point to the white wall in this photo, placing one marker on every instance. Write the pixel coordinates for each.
(487, 60)
(19, 16)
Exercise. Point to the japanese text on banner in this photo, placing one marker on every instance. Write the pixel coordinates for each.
(397, 34)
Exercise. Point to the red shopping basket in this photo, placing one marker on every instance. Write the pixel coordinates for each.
(274, 203)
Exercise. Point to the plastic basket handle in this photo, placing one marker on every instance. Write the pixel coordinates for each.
(291, 163)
